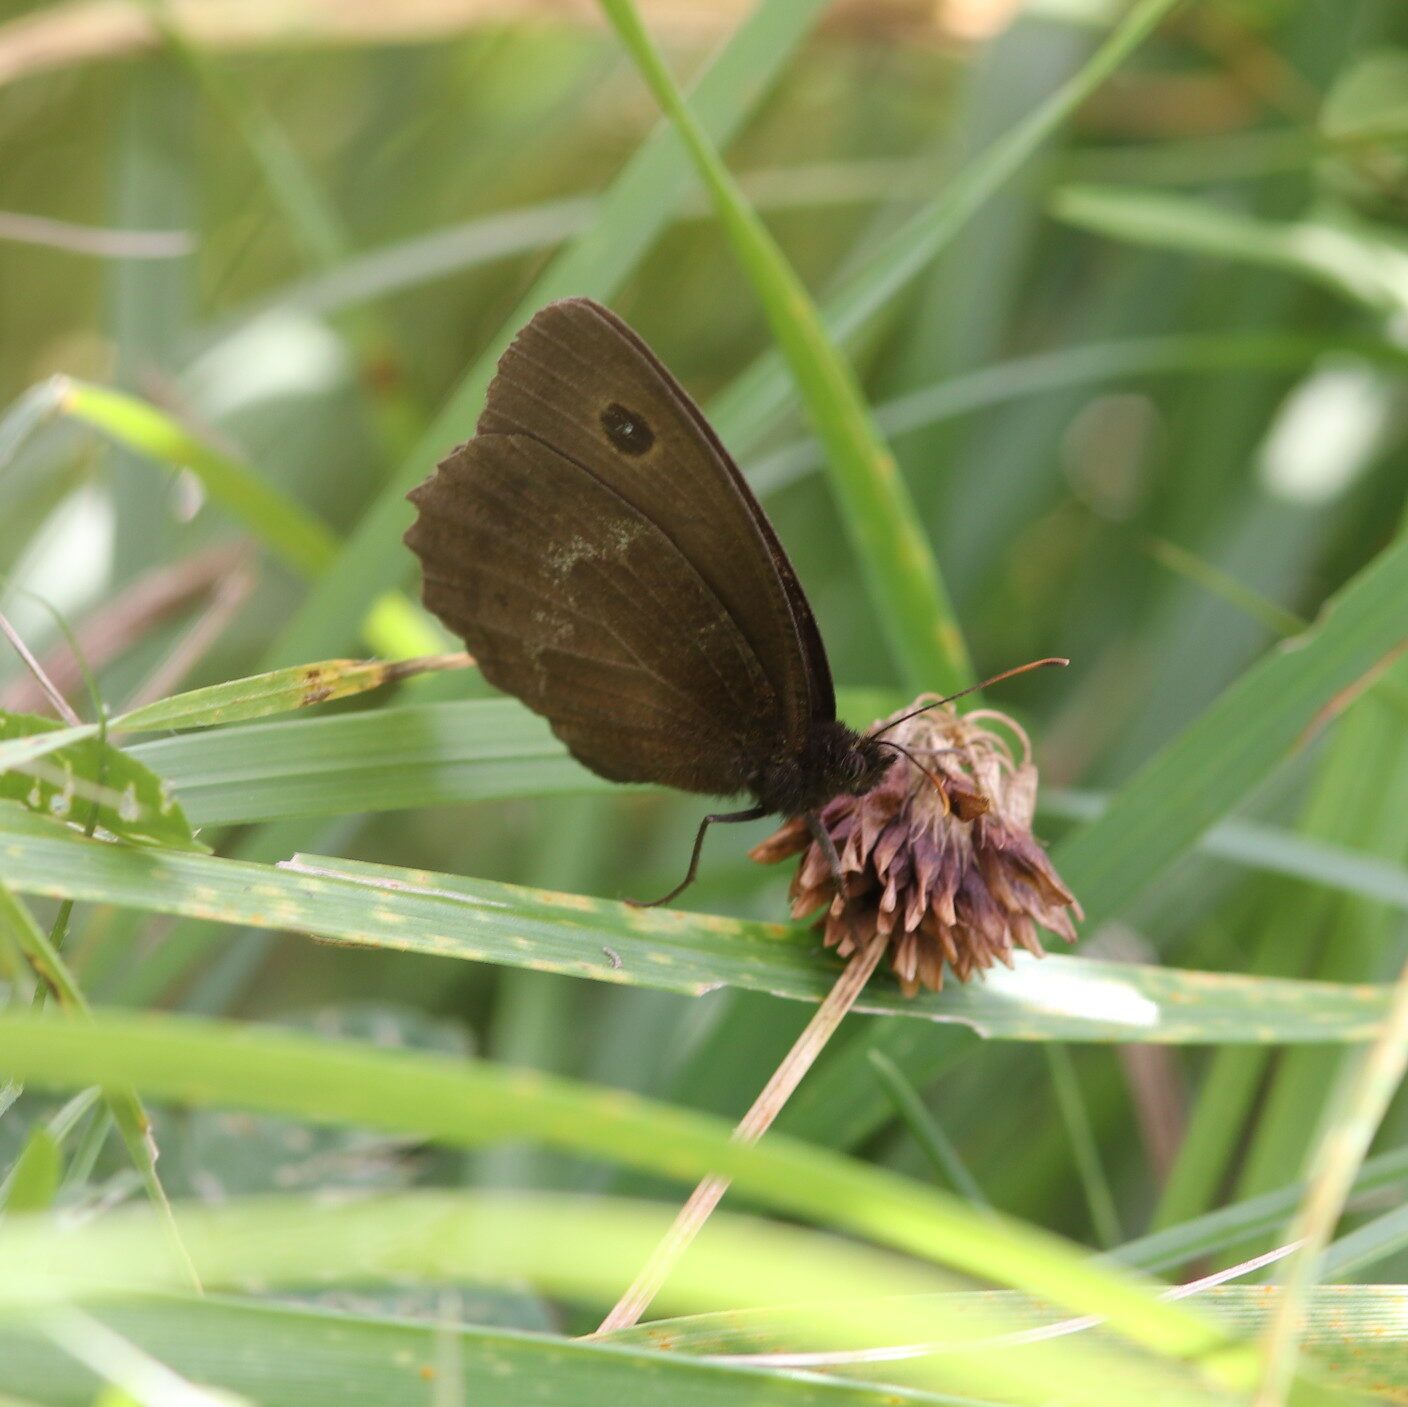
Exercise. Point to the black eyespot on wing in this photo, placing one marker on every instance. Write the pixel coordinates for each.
(627, 429)
(573, 372)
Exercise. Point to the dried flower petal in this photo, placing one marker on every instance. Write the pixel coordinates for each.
(939, 857)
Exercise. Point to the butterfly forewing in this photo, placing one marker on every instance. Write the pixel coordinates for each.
(580, 380)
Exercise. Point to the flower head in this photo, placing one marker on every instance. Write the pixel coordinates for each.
(939, 857)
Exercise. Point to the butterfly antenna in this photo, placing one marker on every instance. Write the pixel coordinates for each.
(971, 689)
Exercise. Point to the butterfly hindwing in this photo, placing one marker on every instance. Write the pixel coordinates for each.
(578, 605)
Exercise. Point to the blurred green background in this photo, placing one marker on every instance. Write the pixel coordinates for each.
(1148, 402)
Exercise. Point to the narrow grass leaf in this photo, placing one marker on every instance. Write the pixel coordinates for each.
(289, 1356)
(1057, 998)
(1356, 1333)
(78, 776)
(1337, 1159)
(1254, 726)
(278, 691)
(287, 529)
(123, 1102)
(1349, 256)
(907, 592)
(32, 1182)
(1380, 1177)
(1120, 360)
(494, 749)
(1268, 848)
(467, 1103)
(758, 394)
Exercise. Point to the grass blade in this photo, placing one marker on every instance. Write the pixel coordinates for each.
(467, 1103)
(1238, 742)
(1057, 998)
(757, 395)
(906, 589)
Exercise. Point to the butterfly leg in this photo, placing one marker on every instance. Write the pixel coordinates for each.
(753, 813)
(828, 848)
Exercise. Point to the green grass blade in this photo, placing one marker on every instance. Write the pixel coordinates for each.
(278, 691)
(1058, 998)
(530, 1238)
(1353, 258)
(409, 263)
(467, 1103)
(283, 526)
(65, 772)
(1337, 1161)
(754, 399)
(287, 529)
(1119, 360)
(288, 1356)
(494, 749)
(32, 1182)
(907, 591)
(123, 1102)
(928, 1133)
(1200, 1236)
(393, 758)
(1237, 743)
(1085, 1148)
(1267, 848)
(1355, 1332)
(1369, 1244)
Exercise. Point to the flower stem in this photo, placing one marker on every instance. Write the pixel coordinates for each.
(753, 1125)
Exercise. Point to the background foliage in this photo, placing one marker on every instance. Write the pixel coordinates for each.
(1123, 291)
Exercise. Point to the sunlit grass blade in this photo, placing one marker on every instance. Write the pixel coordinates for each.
(1351, 257)
(32, 1182)
(1058, 998)
(506, 1240)
(1354, 1332)
(465, 1104)
(278, 691)
(287, 529)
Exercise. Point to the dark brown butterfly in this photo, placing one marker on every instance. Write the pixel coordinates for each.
(604, 561)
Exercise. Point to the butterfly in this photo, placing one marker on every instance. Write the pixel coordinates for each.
(603, 560)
